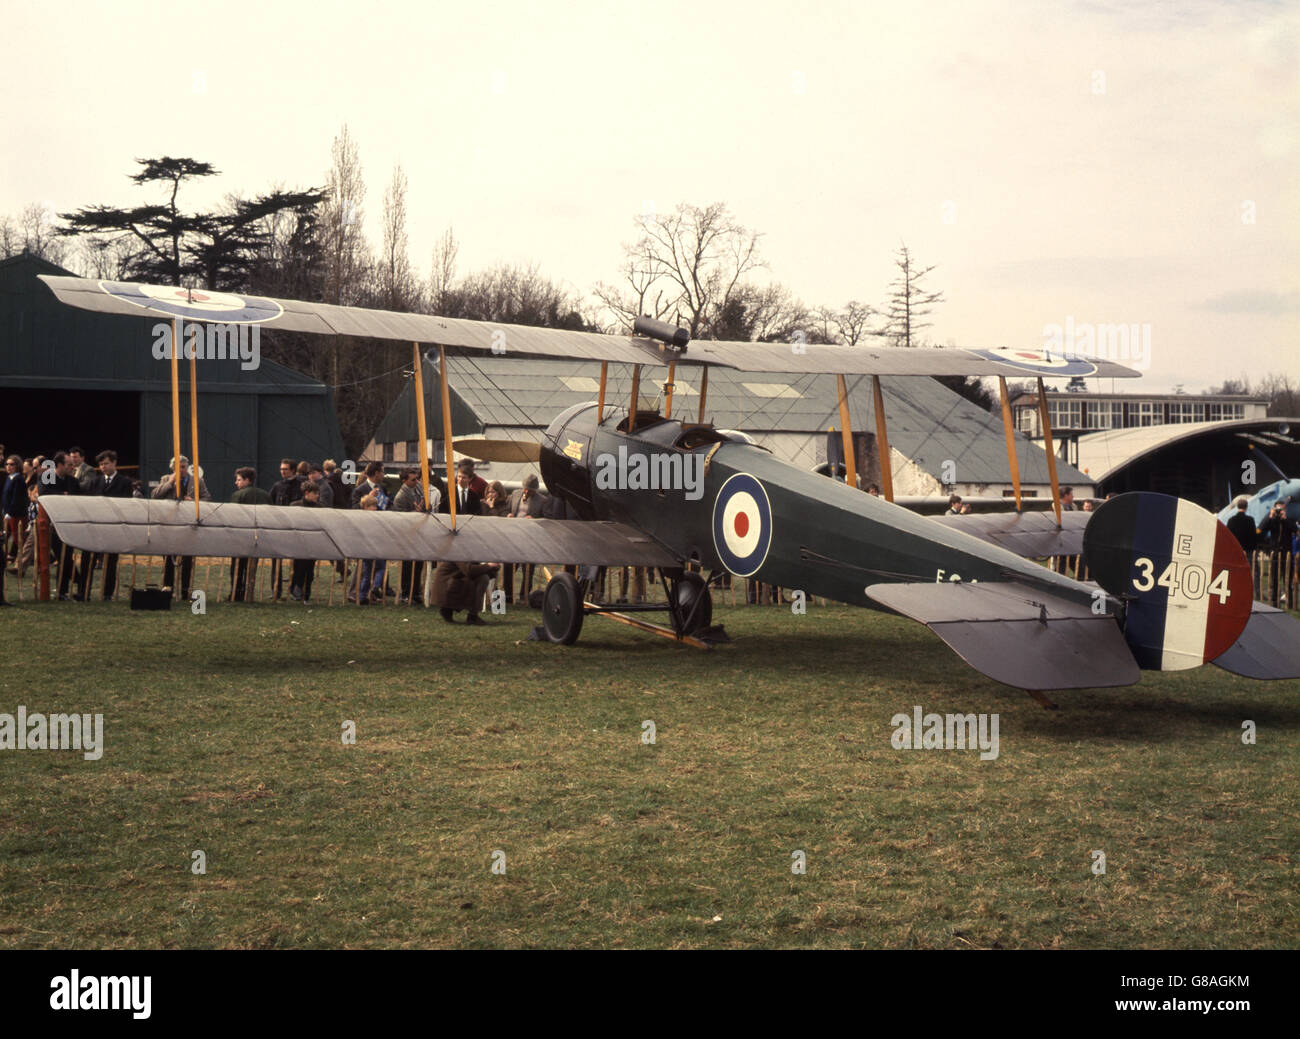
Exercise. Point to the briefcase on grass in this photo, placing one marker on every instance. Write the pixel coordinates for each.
(151, 598)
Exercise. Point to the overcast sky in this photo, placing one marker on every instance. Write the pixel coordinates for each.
(1097, 163)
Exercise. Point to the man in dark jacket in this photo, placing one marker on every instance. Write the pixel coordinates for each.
(410, 498)
(15, 504)
(246, 493)
(287, 491)
(1277, 532)
(1243, 527)
(304, 569)
(468, 502)
(106, 482)
(56, 478)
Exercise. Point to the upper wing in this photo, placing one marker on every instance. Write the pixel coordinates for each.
(135, 300)
(1033, 535)
(166, 528)
(887, 360)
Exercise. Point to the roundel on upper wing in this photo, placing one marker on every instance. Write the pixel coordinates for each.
(196, 304)
(742, 525)
(1040, 362)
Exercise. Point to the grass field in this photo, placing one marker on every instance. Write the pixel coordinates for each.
(223, 733)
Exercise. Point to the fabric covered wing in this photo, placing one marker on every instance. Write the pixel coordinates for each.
(1268, 648)
(1029, 534)
(1018, 634)
(135, 300)
(149, 527)
(887, 360)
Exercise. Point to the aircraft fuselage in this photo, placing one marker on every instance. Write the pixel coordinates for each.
(733, 506)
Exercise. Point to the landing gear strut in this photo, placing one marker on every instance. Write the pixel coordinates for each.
(689, 606)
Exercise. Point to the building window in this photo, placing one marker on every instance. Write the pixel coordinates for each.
(388, 453)
(1065, 414)
(1105, 414)
(412, 450)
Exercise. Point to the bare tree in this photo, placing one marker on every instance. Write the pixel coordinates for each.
(769, 314)
(852, 321)
(109, 259)
(515, 295)
(346, 252)
(909, 304)
(686, 266)
(442, 274)
(34, 232)
(399, 288)
(346, 263)
(10, 239)
(1283, 394)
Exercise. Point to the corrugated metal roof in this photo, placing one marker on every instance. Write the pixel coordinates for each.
(927, 422)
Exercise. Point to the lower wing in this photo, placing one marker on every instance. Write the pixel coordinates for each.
(168, 528)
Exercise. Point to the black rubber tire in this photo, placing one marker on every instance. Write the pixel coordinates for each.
(687, 590)
(562, 611)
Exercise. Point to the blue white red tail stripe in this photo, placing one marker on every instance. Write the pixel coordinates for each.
(1185, 579)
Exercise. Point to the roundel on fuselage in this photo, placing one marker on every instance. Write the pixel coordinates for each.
(742, 525)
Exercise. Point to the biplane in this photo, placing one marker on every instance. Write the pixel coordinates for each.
(652, 487)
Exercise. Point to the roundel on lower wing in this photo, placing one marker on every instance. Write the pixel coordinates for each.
(1185, 578)
(195, 304)
(1040, 362)
(742, 525)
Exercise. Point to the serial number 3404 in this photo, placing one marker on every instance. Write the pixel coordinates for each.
(1189, 579)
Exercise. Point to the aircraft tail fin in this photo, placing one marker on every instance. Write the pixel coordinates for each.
(1183, 576)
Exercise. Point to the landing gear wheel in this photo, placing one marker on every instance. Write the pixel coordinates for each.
(689, 590)
(562, 611)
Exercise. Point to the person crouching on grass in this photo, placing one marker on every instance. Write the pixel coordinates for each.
(304, 569)
(461, 586)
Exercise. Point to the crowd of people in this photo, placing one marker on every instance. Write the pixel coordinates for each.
(29, 480)
(1274, 545)
(451, 587)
